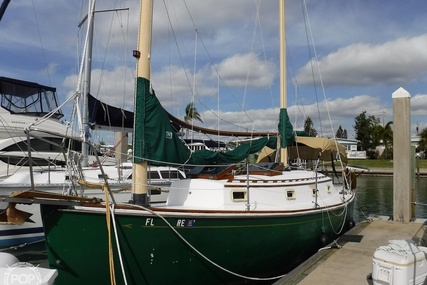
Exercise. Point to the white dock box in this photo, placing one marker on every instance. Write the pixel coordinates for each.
(399, 263)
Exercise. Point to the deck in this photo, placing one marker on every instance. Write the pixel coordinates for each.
(352, 263)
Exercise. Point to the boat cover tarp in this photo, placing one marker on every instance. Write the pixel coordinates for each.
(28, 98)
(107, 117)
(156, 140)
(309, 148)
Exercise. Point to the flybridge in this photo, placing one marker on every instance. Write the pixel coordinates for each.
(28, 98)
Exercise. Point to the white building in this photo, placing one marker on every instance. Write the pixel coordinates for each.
(351, 148)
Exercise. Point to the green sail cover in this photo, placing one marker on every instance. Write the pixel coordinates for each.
(285, 129)
(233, 156)
(155, 139)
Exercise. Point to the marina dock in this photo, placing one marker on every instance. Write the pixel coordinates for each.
(351, 262)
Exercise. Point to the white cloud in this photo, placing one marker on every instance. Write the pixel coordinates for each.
(419, 105)
(114, 87)
(242, 70)
(398, 61)
(50, 69)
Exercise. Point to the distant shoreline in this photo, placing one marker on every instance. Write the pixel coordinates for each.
(389, 172)
(376, 171)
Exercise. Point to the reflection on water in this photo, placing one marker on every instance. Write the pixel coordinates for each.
(374, 195)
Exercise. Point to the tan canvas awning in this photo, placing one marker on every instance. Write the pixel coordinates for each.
(309, 148)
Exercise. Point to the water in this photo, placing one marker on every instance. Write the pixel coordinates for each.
(374, 195)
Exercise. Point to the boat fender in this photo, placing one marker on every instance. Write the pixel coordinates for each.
(350, 223)
(7, 259)
(324, 240)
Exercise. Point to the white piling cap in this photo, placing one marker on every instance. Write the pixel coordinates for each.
(400, 93)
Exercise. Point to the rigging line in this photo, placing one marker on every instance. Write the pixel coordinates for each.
(181, 57)
(112, 209)
(106, 52)
(176, 44)
(201, 254)
(192, 89)
(295, 87)
(170, 72)
(318, 68)
(215, 69)
(18, 144)
(180, 54)
(263, 49)
(105, 57)
(218, 97)
(248, 73)
(321, 81)
(41, 43)
(52, 112)
(194, 79)
(126, 43)
(308, 33)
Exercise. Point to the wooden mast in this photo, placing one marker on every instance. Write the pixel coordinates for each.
(283, 104)
(139, 174)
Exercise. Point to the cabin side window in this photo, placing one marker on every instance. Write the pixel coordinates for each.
(154, 175)
(290, 194)
(171, 174)
(239, 196)
(313, 190)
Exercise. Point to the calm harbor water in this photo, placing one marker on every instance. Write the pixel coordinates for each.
(374, 195)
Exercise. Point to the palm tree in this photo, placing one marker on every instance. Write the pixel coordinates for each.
(423, 142)
(385, 134)
(191, 113)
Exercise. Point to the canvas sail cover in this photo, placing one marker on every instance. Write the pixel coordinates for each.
(156, 140)
(285, 129)
(104, 116)
(236, 155)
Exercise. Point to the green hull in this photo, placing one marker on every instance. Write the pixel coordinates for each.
(77, 246)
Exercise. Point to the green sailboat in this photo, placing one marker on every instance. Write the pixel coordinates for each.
(221, 225)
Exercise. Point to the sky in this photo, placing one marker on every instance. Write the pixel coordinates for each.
(343, 57)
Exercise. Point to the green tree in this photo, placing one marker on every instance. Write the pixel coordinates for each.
(423, 142)
(365, 129)
(309, 128)
(341, 133)
(191, 113)
(385, 136)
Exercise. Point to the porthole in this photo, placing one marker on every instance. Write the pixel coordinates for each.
(239, 196)
(290, 194)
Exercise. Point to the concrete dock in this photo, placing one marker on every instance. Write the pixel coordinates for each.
(352, 262)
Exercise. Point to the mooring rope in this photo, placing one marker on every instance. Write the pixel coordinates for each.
(118, 243)
(110, 246)
(205, 257)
